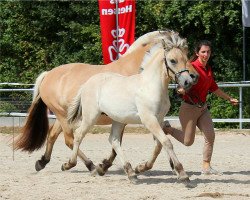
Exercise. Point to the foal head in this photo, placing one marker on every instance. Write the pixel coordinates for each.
(176, 61)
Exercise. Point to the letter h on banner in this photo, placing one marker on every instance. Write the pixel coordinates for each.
(117, 20)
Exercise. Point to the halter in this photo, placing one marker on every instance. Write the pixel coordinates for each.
(177, 74)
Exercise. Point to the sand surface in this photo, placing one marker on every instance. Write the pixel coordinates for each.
(19, 179)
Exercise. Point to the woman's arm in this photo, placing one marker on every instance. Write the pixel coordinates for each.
(225, 96)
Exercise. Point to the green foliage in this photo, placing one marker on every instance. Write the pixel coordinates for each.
(38, 36)
(195, 20)
(6, 107)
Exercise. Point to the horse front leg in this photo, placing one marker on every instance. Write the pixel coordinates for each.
(103, 167)
(154, 127)
(54, 131)
(115, 140)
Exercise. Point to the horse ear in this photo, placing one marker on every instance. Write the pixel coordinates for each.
(184, 45)
(163, 44)
(185, 50)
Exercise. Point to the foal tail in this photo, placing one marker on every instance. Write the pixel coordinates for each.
(34, 132)
(75, 108)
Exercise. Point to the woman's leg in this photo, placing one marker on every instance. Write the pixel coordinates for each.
(188, 116)
(205, 124)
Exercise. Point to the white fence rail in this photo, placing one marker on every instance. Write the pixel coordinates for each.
(239, 85)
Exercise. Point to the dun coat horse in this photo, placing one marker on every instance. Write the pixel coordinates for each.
(55, 89)
(141, 98)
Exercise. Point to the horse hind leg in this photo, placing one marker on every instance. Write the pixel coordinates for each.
(142, 167)
(103, 167)
(149, 164)
(115, 140)
(69, 140)
(54, 131)
(80, 132)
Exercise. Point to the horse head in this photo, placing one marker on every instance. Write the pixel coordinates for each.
(178, 67)
(193, 73)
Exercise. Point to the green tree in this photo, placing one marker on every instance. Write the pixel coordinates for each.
(38, 36)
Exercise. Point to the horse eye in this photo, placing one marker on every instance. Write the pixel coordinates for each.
(173, 61)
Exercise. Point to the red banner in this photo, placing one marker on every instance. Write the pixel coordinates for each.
(116, 40)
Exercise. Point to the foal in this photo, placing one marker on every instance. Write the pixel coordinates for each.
(141, 98)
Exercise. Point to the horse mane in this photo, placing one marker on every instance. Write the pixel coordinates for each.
(148, 55)
(170, 37)
(173, 40)
(166, 40)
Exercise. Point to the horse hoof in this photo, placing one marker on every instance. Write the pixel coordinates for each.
(39, 166)
(100, 170)
(186, 181)
(64, 168)
(133, 179)
(174, 172)
(90, 166)
(188, 184)
(93, 173)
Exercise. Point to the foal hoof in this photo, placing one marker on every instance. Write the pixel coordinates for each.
(94, 172)
(63, 167)
(100, 170)
(67, 166)
(188, 184)
(186, 181)
(39, 166)
(133, 179)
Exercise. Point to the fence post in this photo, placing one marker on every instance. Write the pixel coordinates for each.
(240, 106)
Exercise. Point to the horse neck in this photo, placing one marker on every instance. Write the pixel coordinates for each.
(128, 64)
(142, 41)
(154, 73)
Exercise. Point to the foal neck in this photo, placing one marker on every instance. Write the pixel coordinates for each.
(154, 69)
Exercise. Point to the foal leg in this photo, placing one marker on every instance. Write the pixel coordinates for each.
(54, 131)
(103, 167)
(115, 140)
(149, 164)
(154, 127)
(78, 136)
(69, 140)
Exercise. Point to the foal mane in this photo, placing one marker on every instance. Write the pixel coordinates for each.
(166, 40)
(171, 38)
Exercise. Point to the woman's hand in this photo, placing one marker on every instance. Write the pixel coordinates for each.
(181, 91)
(233, 101)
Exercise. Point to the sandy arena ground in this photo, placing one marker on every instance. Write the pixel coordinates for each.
(20, 181)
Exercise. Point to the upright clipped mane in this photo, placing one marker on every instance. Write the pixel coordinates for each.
(143, 41)
(173, 40)
(149, 54)
(164, 39)
(148, 39)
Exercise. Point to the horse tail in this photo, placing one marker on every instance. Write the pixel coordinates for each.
(37, 84)
(35, 130)
(75, 108)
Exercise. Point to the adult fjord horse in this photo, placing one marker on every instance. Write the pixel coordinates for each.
(56, 89)
(141, 98)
